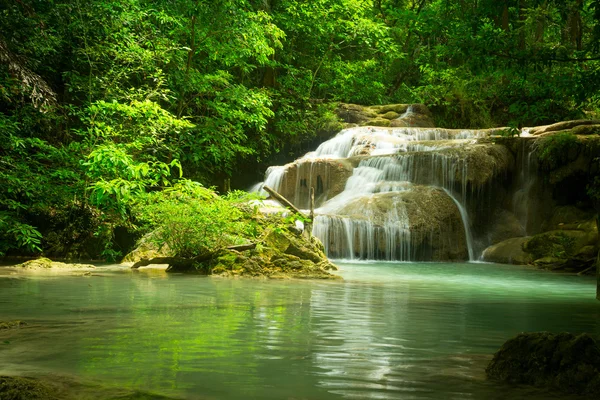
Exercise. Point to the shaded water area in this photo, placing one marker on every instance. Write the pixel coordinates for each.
(388, 331)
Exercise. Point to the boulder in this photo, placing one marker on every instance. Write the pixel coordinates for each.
(563, 361)
(509, 251)
(559, 244)
(42, 263)
(147, 248)
(422, 223)
(283, 253)
(327, 176)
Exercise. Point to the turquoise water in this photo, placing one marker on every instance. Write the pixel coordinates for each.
(388, 331)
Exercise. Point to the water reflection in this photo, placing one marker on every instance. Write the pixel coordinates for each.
(410, 331)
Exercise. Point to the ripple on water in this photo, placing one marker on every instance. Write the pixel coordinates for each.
(389, 331)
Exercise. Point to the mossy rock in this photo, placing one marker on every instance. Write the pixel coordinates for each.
(397, 108)
(509, 251)
(561, 361)
(378, 122)
(390, 115)
(43, 263)
(283, 253)
(11, 325)
(556, 244)
(17, 388)
(147, 248)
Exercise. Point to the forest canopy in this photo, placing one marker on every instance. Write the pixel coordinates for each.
(103, 101)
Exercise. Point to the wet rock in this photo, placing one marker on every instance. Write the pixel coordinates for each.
(17, 388)
(43, 263)
(327, 176)
(378, 122)
(561, 361)
(436, 231)
(509, 251)
(147, 248)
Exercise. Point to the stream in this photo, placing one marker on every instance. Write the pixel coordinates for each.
(389, 330)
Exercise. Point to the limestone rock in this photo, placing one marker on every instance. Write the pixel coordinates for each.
(560, 126)
(416, 115)
(561, 361)
(43, 263)
(283, 254)
(509, 251)
(327, 176)
(436, 227)
(146, 249)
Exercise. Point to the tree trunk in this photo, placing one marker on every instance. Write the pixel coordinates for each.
(598, 257)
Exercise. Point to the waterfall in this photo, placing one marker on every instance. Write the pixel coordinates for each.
(384, 192)
(465, 219)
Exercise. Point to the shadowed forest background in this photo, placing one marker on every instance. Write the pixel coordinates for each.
(105, 105)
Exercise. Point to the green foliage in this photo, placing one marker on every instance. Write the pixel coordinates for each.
(103, 102)
(191, 220)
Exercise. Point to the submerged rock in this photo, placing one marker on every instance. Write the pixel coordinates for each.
(42, 263)
(11, 325)
(561, 361)
(17, 388)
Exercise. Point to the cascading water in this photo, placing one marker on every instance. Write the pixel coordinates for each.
(404, 188)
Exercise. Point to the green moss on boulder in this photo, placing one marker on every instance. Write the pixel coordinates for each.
(282, 254)
(561, 361)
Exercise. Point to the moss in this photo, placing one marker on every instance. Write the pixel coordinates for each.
(554, 244)
(557, 150)
(378, 122)
(17, 388)
(390, 115)
(397, 108)
(11, 325)
(562, 361)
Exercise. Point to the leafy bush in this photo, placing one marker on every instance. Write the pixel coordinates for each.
(191, 220)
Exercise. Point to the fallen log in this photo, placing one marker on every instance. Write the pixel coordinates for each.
(284, 202)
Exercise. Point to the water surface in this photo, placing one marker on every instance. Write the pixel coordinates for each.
(388, 331)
